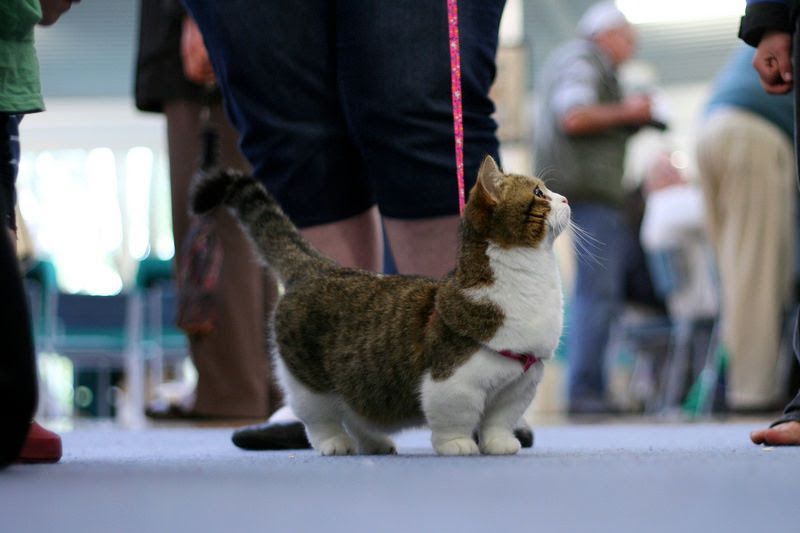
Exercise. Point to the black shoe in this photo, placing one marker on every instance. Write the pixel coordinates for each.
(523, 433)
(592, 407)
(165, 411)
(524, 436)
(272, 436)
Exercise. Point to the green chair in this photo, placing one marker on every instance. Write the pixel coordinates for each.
(42, 289)
(88, 330)
(92, 331)
(154, 337)
(162, 339)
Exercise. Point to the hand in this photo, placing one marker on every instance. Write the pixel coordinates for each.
(773, 62)
(196, 65)
(53, 9)
(637, 109)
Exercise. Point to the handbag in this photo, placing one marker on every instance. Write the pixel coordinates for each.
(198, 278)
(201, 252)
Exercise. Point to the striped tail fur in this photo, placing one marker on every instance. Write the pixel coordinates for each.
(276, 239)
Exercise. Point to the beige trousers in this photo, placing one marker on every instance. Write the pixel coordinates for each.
(746, 166)
(234, 372)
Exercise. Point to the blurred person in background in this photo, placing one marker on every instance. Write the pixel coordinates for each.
(746, 165)
(674, 222)
(582, 126)
(20, 94)
(226, 332)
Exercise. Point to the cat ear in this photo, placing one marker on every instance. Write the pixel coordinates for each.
(489, 176)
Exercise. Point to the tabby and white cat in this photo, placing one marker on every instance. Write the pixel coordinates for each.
(360, 355)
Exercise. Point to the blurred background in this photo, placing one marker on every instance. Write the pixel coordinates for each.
(94, 188)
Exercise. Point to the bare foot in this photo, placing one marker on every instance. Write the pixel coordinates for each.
(786, 434)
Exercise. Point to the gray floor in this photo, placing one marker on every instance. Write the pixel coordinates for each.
(638, 478)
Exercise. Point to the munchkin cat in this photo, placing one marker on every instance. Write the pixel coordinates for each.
(361, 355)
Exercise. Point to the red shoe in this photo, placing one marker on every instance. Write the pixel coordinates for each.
(41, 446)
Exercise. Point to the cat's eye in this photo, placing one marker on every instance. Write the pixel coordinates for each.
(539, 192)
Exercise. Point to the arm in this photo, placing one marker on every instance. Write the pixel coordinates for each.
(196, 64)
(581, 113)
(761, 16)
(586, 120)
(53, 9)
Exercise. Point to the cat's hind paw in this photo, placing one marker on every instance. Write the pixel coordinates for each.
(456, 446)
(337, 445)
(499, 444)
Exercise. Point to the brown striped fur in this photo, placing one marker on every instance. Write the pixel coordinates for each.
(367, 337)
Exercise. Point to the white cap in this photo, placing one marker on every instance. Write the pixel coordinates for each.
(601, 17)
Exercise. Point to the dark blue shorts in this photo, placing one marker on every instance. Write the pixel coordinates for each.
(346, 104)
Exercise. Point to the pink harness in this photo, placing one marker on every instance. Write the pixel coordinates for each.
(527, 360)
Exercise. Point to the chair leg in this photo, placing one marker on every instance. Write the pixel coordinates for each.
(134, 363)
(103, 391)
(676, 367)
(706, 384)
(134, 371)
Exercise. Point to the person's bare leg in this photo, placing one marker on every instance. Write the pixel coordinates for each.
(425, 246)
(786, 434)
(353, 242)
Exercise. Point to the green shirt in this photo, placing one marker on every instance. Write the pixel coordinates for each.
(20, 87)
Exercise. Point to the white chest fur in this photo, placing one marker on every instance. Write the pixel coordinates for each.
(527, 288)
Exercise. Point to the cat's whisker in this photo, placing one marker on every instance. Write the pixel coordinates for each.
(585, 234)
(586, 239)
(547, 175)
(586, 245)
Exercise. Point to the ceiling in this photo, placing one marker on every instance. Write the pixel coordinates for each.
(678, 52)
(91, 51)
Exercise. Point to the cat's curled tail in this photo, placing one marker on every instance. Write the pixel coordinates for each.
(276, 239)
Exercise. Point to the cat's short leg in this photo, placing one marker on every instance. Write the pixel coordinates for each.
(369, 440)
(322, 415)
(322, 418)
(453, 409)
(503, 412)
(328, 438)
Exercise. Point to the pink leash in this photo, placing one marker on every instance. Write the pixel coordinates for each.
(527, 360)
(455, 90)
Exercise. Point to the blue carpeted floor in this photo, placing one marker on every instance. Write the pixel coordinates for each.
(620, 478)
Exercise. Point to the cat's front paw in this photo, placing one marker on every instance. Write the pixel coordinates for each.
(456, 446)
(338, 445)
(499, 444)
